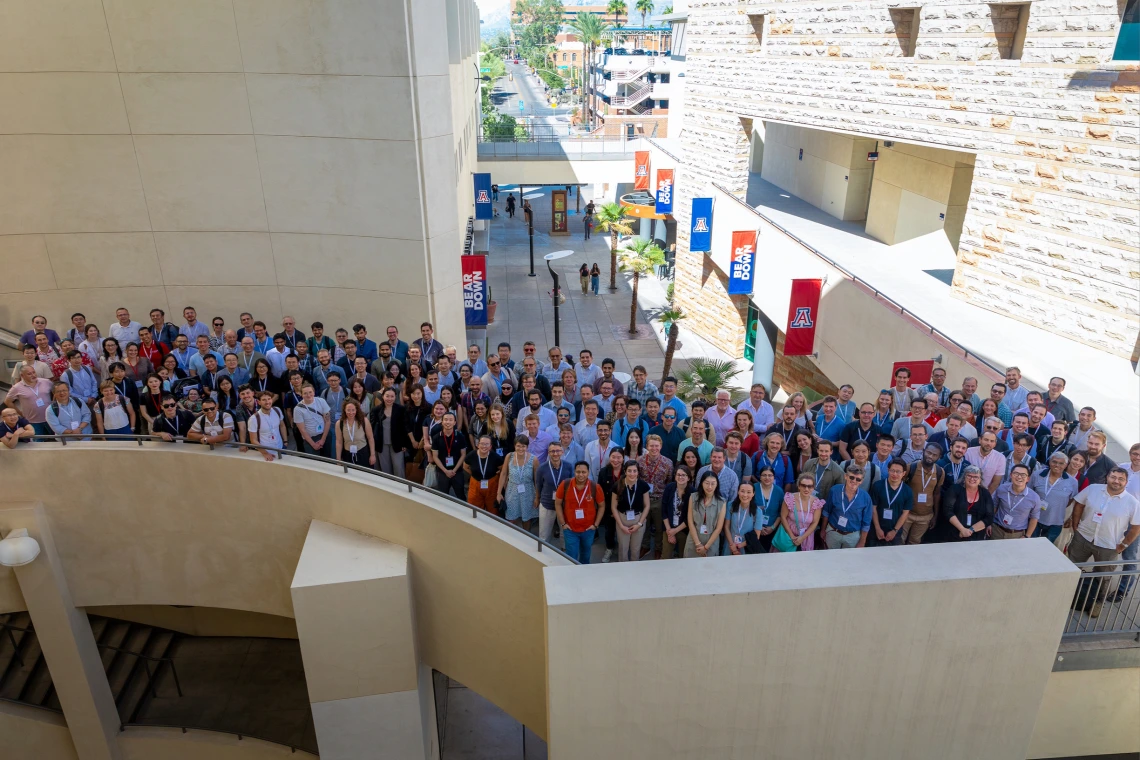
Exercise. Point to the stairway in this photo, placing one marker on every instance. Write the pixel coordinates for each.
(24, 675)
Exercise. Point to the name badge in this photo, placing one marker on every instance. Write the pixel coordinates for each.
(499, 452)
(676, 520)
(922, 498)
(842, 522)
(888, 514)
(39, 402)
(738, 539)
(763, 520)
(579, 514)
(352, 449)
(449, 462)
(1097, 516)
(1008, 519)
(969, 519)
(650, 488)
(483, 485)
(521, 488)
(704, 529)
(630, 515)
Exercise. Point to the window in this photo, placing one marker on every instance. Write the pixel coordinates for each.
(1010, 20)
(757, 20)
(564, 57)
(906, 29)
(1128, 41)
(573, 56)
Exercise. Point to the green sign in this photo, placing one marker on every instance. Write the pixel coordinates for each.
(753, 323)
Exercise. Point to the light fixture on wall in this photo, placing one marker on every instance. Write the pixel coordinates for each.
(18, 548)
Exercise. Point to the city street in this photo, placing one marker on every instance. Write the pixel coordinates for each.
(528, 89)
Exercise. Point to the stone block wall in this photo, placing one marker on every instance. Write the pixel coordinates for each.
(795, 373)
(1052, 231)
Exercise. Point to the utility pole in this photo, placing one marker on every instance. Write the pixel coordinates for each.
(530, 230)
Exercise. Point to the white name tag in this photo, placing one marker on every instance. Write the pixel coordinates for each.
(521, 488)
(483, 485)
(630, 515)
(738, 539)
(842, 522)
(39, 402)
(763, 520)
(1097, 516)
(1008, 520)
(676, 520)
(650, 488)
(922, 498)
(449, 462)
(704, 529)
(969, 519)
(579, 514)
(352, 449)
(888, 514)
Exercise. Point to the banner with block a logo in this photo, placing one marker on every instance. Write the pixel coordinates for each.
(483, 208)
(700, 228)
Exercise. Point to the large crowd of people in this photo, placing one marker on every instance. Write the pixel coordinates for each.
(560, 443)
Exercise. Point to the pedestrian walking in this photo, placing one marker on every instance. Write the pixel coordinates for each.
(511, 205)
(584, 277)
(528, 212)
(588, 223)
(494, 193)
(595, 277)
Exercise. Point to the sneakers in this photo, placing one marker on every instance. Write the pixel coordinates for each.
(609, 555)
(1118, 597)
(1095, 611)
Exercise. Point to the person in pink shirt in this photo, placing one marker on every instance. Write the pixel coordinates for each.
(721, 416)
(31, 396)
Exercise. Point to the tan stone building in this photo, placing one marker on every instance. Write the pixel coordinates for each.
(1009, 127)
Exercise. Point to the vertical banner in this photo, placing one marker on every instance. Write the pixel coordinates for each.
(742, 263)
(641, 170)
(474, 290)
(799, 337)
(558, 213)
(483, 209)
(700, 228)
(664, 191)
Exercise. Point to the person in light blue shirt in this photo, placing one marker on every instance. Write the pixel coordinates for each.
(196, 363)
(182, 353)
(558, 401)
(572, 451)
(192, 328)
(847, 512)
(937, 386)
(475, 361)
(65, 415)
(399, 347)
(80, 380)
(669, 399)
(847, 409)
(276, 355)
(829, 425)
(237, 375)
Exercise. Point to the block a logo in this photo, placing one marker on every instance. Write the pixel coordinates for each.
(701, 224)
(483, 197)
(802, 318)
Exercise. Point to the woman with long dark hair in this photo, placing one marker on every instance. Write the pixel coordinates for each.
(633, 446)
(354, 440)
(706, 518)
(769, 497)
(741, 532)
(226, 395)
(630, 507)
(390, 433)
(675, 512)
(261, 380)
(112, 352)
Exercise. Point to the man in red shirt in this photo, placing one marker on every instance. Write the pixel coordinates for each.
(577, 504)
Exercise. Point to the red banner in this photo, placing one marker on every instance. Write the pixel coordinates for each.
(803, 311)
(641, 170)
(742, 263)
(474, 289)
(920, 371)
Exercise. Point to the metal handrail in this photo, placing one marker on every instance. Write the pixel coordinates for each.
(240, 735)
(1114, 619)
(633, 98)
(903, 311)
(346, 466)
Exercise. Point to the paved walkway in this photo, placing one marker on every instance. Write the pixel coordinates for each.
(915, 275)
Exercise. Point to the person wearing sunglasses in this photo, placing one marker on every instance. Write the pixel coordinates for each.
(174, 423)
(848, 513)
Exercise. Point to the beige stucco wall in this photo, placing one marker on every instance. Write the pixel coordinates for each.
(855, 654)
(477, 585)
(833, 174)
(917, 190)
(276, 156)
(1089, 712)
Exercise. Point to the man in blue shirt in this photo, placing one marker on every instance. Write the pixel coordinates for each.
(197, 362)
(829, 425)
(80, 380)
(399, 347)
(669, 399)
(430, 348)
(365, 347)
(893, 501)
(65, 415)
(847, 513)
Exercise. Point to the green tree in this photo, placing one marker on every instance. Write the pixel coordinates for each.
(612, 219)
(590, 29)
(670, 317)
(644, 7)
(642, 257)
(668, 9)
(502, 128)
(704, 377)
(619, 9)
(536, 24)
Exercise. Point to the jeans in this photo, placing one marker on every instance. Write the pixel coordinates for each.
(1130, 553)
(1050, 532)
(594, 283)
(42, 428)
(578, 545)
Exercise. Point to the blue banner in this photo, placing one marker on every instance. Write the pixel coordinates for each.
(700, 227)
(664, 191)
(483, 208)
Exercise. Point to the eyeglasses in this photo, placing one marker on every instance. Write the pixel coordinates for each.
(806, 485)
(209, 408)
(169, 406)
(856, 478)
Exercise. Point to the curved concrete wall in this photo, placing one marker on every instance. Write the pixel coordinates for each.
(276, 156)
(224, 529)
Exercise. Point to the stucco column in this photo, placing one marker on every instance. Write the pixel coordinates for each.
(65, 637)
(372, 699)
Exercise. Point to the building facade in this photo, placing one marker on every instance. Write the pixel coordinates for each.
(237, 155)
(1024, 113)
(634, 82)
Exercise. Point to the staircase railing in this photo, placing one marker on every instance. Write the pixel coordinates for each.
(633, 98)
(630, 75)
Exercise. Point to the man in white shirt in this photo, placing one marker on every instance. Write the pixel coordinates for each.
(588, 373)
(125, 330)
(762, 413)
(721, 416)
(1108, 521)
(276, 355)
(598, 450)
(313, 418)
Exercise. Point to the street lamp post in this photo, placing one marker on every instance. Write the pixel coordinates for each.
(557, 293)
(530, 232)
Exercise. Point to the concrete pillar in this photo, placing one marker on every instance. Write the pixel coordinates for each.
(645, 229)
(371, 697)
(68, 645)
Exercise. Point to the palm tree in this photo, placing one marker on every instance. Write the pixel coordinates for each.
(704, 377)
(589, 29)
(667, 11)
(611, 219)
(670, 317)
(645, 7)
(640, 257)
(617, 9)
